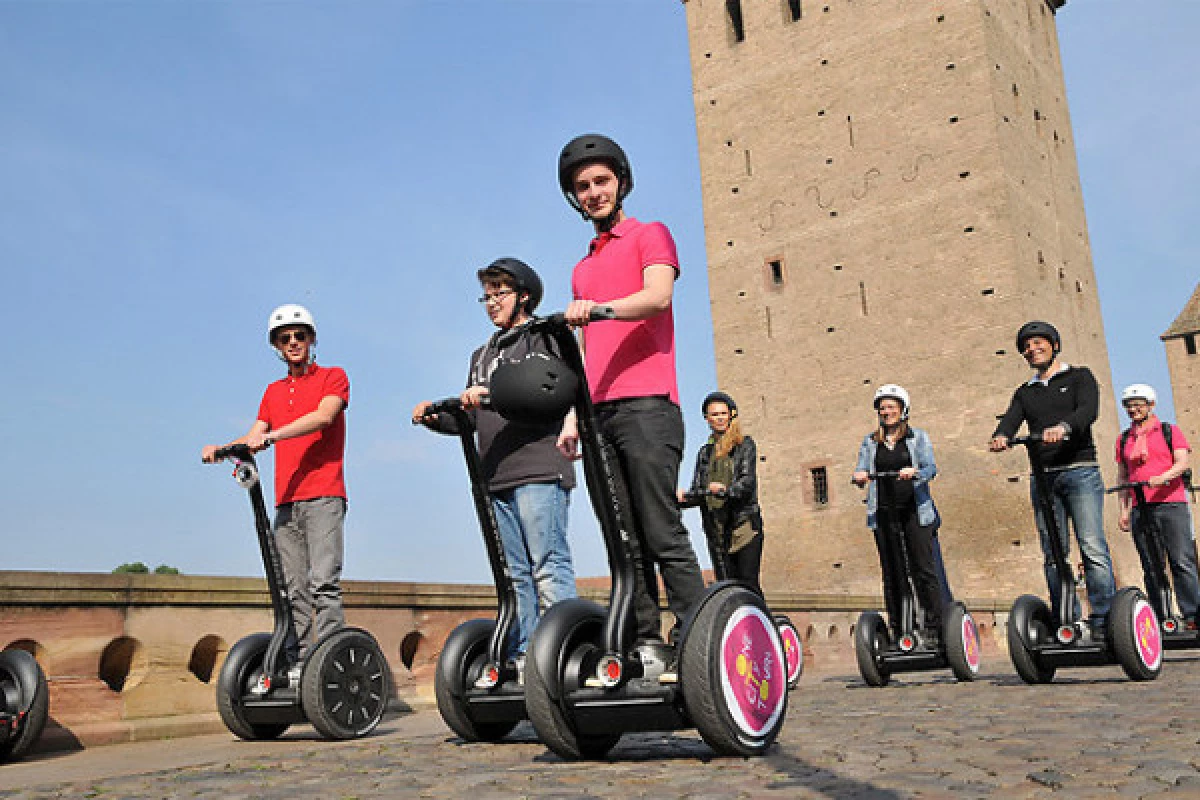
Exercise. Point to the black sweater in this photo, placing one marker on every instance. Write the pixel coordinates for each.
(1070, 397)
(513, 455)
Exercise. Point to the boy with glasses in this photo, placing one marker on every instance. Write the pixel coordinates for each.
(304, 415)
(527, 468)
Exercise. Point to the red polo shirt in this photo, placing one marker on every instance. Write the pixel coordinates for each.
(307, 466)
(627, 359)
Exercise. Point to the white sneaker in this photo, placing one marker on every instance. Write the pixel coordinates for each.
(519, 663)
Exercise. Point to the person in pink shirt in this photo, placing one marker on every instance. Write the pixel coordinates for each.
(631, 266)
(1143, 454)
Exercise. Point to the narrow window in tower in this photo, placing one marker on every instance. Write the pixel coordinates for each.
(775, 273)
(734, 9)
(749, 171)
(793, 7)
(1189, 344)
(850, 129)
(862, 296)
(768, 310)
(820, 486)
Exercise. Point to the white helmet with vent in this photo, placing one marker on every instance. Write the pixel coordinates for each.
(896, 392)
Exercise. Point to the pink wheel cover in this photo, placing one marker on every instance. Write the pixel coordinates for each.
(970, 638)
(792, 651)
(1149, 639)
(753, 670)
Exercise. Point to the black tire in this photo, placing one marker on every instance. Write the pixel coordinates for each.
(1135, 635)
(239, 673)
(961, 636)
(461, 662)
(1029, 623)
(345, 685)
(566, 628)
(793, 648)
(737, 699)
(870, 640)
(23, 688)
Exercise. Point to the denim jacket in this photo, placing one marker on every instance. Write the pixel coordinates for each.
(920, 450)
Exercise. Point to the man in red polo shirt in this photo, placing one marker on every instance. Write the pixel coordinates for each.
(631, 266)
(303, 415)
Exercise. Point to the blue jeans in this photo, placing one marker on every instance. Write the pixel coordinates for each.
(1078, 494)
(533, 531)
(1174, 522)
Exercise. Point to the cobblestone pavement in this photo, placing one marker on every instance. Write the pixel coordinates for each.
(1090, 734)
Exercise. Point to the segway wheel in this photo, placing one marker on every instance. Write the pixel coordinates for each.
(559, 647)
(239, 674)
(460, 664)
(1136, 638)
(345, 683)
(26, 696)
(734, 673)
(962, 642)
(1029, 624)
(793, 649)
(870, 640)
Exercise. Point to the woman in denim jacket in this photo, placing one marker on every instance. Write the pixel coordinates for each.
(897, 447)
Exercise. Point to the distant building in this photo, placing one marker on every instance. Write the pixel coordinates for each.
(890, 190)
(1182, 341)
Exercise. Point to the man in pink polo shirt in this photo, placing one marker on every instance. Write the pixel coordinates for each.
(1143, 454)
(631, 266)
(304, 416)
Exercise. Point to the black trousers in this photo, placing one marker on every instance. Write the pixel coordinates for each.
(746, 563)
(646, 435)
(918, 543)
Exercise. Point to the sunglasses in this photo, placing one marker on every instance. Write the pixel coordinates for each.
(496, 297)
(286, 337)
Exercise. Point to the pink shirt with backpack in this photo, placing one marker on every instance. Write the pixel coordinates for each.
(1146, 455)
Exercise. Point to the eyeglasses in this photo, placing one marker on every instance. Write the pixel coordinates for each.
(286, 337)
(496, 297)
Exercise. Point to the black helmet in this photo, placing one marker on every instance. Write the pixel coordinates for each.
(1037, 328)
(586, 149)
(524, 278)
(535, 390)
(719, 397)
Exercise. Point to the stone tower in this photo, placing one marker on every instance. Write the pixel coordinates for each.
(1182, 342)
(890, 190)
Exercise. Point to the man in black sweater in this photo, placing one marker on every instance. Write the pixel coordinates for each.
(1060, 402)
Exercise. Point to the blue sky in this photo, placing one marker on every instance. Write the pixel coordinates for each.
(172, 171)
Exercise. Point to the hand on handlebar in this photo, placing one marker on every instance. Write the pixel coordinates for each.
(258, 441)
(208, 454)
(860, 478)
(1123, 521)
(579, 313)
(998, 444)
(421, 415)
(473, 397)
(1054, 434)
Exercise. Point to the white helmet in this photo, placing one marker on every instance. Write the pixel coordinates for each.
(896, 392)
(1138, 391)
(289, 314)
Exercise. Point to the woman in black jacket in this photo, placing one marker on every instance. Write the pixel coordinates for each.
(725, 466)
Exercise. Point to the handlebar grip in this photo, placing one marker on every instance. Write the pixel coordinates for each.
(239, 451)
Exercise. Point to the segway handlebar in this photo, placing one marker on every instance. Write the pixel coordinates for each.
(693, 499)
(1127, 485)
(557, 319)
(238, 452)
(1031, 438)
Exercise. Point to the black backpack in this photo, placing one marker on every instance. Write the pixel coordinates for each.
(1167, 437)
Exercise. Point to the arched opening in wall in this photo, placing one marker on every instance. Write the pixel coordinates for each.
(205, 655)
(410, 645)
(123, 664)
(29, 646)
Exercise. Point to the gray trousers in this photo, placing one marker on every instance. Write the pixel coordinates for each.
(309, 535)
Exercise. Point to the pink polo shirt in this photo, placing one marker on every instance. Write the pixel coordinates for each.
(1158, 460)
(627, 359)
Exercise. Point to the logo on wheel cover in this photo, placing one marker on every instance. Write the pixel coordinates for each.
(792, 651)
(753, 671)
(1149, 640)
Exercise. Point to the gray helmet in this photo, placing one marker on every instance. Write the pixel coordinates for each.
(524, 278)
(535, 390)
(1038, 328)
(586, 149)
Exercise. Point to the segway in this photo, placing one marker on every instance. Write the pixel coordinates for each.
(344, 684)
(586, 683)
(878, 656)
(26, 703)
(479, 695)
(1175, 635)
(1039, 642)
(718, 550)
